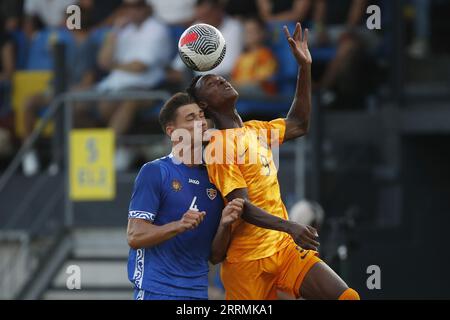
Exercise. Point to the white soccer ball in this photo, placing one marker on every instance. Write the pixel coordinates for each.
(202, 47)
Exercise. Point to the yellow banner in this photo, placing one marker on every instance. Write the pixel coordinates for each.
(92, 174)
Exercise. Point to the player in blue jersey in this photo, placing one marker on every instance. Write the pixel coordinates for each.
(177, 220)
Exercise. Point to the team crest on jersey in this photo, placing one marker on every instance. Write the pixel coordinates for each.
(176, 185)
(212, 193)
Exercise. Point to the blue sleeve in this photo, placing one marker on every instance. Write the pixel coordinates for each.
(147, 193)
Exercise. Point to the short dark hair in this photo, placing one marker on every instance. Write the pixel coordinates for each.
(169, 110)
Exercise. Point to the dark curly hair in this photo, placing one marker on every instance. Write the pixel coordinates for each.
(191, 91)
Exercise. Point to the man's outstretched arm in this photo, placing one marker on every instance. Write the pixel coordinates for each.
(304, 236)
(297, 119)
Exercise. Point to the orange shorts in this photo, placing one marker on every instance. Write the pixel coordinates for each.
(260, 279)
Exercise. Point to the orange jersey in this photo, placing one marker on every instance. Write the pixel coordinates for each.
(248, 162)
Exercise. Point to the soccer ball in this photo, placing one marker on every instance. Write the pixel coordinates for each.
(202, 47)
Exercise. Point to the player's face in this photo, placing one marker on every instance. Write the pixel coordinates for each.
(216, 92)
(190, 117)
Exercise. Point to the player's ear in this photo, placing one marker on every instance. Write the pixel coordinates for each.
(170, 128)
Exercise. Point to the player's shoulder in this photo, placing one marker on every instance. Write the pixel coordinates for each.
(264, 124)
(255, 124)
(160, 167)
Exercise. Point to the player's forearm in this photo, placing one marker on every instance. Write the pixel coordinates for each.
(300, 112)
(257, 216)
(260, 218)
(151, 235)
(220, 244)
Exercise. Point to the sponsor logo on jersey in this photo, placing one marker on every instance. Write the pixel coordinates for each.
(194, 181)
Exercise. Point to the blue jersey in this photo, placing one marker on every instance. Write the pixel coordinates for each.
(163, 192)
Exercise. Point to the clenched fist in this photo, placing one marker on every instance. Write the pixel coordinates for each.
(232, 211)
(190, 220)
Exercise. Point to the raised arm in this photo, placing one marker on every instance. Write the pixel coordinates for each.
(297, 119)
(305, 236)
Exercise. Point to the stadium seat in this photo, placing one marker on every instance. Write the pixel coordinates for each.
(26, 84)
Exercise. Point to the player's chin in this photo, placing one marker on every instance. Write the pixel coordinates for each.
(231, 94)
(234, 92)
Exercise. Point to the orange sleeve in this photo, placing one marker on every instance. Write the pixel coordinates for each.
(279, 125)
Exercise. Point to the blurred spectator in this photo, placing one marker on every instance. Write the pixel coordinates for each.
(33, 45)
(283, 10)
(51, 12)
(340, 26)
(135, 53)
(276, 14)
(420, 45)
(174, 12)
(6, 146)
(178, 15)
(81, 55)
(101, 12)
(241, 9)
(256, 66)
(7, 67)
(212, 12)
(10, 12)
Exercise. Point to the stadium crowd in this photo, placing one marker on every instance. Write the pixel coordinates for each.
(131, 44)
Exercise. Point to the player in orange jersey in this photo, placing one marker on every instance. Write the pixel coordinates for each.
(264, 251)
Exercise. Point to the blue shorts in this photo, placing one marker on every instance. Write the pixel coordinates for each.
(147, 295)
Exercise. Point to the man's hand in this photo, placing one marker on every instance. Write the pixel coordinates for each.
(232, 212)
(190, 220)
(303, 235)
(299, 44)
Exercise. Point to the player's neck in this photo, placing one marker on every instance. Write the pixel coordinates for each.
(227, 119)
